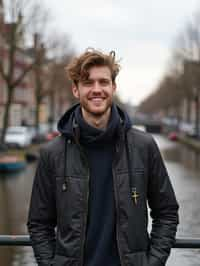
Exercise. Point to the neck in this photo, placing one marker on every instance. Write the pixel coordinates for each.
(97, 121)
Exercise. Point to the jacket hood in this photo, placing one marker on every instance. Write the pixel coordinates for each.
(66, 123)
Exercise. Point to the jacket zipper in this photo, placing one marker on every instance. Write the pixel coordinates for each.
(84, 225)
(118, 153)
(85, 218)
(117, 223)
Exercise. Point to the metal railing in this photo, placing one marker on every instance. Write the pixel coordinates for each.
(24, 240)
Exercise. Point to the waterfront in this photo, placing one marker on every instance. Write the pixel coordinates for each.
(183, 166)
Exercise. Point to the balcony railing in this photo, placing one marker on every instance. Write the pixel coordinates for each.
(24, 240)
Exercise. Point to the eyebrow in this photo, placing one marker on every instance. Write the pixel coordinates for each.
(100, 79)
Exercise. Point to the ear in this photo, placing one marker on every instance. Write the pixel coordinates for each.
(75, 91)
(114, 86)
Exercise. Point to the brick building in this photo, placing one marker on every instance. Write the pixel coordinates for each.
(23, 102)
(23, 106)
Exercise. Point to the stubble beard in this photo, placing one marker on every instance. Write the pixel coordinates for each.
(98, 113)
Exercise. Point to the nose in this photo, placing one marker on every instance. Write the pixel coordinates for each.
(96, 86)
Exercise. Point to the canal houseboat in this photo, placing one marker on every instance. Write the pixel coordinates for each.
(11, 163)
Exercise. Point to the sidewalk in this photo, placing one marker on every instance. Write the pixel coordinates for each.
(190, 142)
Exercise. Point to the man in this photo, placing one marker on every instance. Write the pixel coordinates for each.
(94, 181)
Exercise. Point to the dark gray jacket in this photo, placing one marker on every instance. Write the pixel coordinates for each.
(60, 200)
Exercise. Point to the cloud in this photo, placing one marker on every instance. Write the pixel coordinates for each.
(142, 67)
(141, 32)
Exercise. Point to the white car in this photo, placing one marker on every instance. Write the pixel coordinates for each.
(18, 137)
(187, 128)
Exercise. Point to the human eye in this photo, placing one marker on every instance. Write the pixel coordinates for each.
(104, 82)
(87, 82)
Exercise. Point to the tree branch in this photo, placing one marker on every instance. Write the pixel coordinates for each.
(16, 82)
(2, 72)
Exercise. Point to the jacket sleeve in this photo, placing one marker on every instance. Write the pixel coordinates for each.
(164, 209)
(42, 213)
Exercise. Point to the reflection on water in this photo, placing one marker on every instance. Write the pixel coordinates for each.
(183, 167)
(180, 154)
(187, 158)
(23, 256)
(14, 199)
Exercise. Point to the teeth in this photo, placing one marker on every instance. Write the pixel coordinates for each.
(97, 99)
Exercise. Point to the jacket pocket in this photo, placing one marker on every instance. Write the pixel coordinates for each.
(70, 204)
(69, 198)
(136, 259)
(153, 261)
(60, 260)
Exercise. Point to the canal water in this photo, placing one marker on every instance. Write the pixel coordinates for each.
(183, 166)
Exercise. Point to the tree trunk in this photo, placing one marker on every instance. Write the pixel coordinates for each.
(178, 115)
(37, 115)
(188, 106)
(52, 110)
(38, 88)
(6, 117)
(197, 114)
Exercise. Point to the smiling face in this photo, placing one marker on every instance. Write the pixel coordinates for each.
(95, 93)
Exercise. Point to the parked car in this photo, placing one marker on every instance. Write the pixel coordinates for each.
(52, 135)
(142, 128)
(39, 135)
(173, 136)
(18, 137)
(187, 128)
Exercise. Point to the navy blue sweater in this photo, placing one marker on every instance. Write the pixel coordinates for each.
(101, 245)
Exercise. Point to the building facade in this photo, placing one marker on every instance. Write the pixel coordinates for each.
(22, 109)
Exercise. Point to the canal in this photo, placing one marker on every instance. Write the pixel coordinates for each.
(184, 169)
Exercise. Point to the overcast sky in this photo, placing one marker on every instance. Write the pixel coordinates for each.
(141, 32)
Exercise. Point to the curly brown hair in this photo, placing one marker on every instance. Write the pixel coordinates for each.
(78, 68)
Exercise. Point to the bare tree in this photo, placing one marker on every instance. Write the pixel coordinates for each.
(188, 51)
(56, 85)
(182, 75)
(19, 16)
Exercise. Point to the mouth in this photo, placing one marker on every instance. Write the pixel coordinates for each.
(97, 99)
